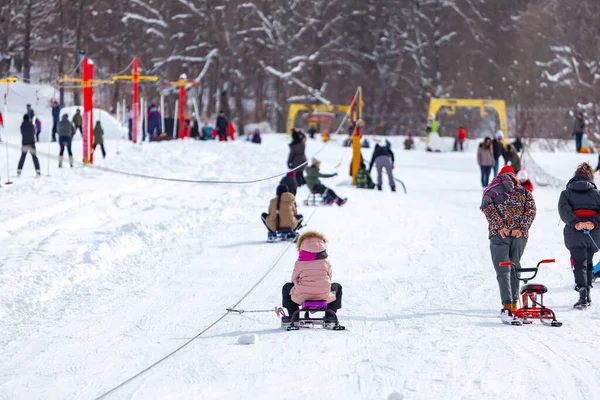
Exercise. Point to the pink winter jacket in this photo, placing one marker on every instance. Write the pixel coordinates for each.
(312, 279)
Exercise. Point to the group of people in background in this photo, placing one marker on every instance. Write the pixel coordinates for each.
(489, 153)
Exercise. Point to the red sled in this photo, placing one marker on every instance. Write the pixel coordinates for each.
(532, 298)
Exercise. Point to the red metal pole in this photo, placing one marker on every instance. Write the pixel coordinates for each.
(135, 107)
(182, 100)
(88, 74)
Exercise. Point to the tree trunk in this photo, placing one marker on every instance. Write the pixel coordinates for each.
(61, 50)
(27, 43)
(5, 58)
(78, 45)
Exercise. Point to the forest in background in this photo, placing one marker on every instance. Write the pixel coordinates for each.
(251, 58)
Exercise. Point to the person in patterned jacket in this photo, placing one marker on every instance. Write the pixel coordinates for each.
(510, 211)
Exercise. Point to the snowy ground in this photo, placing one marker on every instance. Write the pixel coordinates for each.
(102, 275)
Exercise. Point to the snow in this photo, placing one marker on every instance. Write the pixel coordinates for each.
(103, 275)
(248, 339)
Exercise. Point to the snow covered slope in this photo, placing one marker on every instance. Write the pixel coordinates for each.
(102, 275)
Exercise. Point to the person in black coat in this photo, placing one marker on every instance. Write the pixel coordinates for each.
(297, 155)
(383, 158)
(28, 145)
(579, 208)
(498, 148)
(290, 181)
(221, 127)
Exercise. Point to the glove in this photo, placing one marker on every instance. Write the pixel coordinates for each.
(290, 165)
(335, 174)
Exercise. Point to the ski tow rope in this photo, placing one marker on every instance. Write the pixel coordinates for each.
(229, 310)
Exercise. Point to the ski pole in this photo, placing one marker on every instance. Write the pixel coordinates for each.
(585, 231)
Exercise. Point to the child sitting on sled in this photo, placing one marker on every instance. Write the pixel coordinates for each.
(363, 178)
(282, 212)
(311, 279)
(314, 184)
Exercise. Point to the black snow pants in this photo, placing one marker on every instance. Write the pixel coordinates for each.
(293, 307)
(300, 218)
(583, 266)
(329, 194)
(31, 150)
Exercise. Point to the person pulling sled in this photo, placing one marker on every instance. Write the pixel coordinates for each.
(383, 158)
(579, 208)
(282, 220)
(311, 284)
(314, 184)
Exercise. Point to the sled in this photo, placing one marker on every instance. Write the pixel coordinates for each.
(284, 234)
(302, 317)
(314, 199)
(532, 308)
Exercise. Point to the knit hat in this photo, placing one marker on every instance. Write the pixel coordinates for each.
(507, 169)
(281, 189)
(315, 161)
(291, 173)
(499, 135)
(522, 175)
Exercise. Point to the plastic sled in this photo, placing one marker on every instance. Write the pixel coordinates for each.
(532, 298)
(284, 234)
(303, 319)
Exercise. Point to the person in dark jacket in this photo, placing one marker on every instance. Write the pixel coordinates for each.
(297, 155)
(383, 158)
(99, 138)
(312, 181)
(222, 126)
(518, 143)
(511, 156)
(28, 145)
(578, 130)
(363, 178)
(30, 112)
(498, 150)
(579, 209)
(256, 137)
(154, 119)
(65, 132)
(78, 122)
(55, 119)
(290, 181)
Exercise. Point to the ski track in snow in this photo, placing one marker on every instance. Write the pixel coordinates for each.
(103, 275)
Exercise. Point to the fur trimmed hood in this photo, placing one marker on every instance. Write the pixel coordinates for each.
(311, 241)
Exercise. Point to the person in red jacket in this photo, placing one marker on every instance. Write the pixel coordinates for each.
(231, 130)
(461, 136)
(523, 178)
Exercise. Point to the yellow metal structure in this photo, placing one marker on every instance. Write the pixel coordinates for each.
(357, 117)
(131, 77)
(81, 82)
(296, 108)
(9, 80)
(499, 105)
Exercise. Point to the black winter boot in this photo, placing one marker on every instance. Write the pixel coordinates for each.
(589, 297)
(379, 188)
(393, 188)
(583, 298)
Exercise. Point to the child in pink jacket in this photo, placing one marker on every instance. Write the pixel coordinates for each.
(311, 279)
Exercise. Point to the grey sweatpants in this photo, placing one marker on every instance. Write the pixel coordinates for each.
(382, 162)
(508, 249)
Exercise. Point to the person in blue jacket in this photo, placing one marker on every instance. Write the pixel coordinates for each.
(55, 118)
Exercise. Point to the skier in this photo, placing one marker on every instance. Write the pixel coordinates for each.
(99, 138)
(498, 147)
(510, 210)
(311, 279)
(312, 181)
(55, 119)
(297, 156)
(28, 145)
(38, 128)
(65, 132)
(221, 126)
(383, 157)
(282, 213)
(524, 180)
(78, 122)
(485, 159)
(579, 209)
(578, 129)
